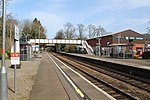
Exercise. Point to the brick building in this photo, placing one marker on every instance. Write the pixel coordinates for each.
(123, 44)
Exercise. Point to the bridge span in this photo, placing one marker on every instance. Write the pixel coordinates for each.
(55, 41)
(87, 47)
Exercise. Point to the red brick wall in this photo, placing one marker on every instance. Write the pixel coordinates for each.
(123, 40)
(105, 40)
(92, 42)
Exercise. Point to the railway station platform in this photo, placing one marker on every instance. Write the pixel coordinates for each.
(47, 86)
(58, 82)
(139, 63)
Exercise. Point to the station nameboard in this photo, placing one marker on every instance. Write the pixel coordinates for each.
(16, 33)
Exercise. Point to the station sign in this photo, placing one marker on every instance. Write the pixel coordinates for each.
(119, 35)
(15, 58)
(16, 33)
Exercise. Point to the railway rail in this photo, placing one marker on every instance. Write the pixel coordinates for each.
(117, 85)
(135, 81)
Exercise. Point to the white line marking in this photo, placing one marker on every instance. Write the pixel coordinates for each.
(71, 82)
(105, 93)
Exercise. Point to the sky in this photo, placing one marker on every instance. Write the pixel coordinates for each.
(113, 15)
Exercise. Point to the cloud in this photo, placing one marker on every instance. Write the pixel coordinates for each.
(140, 3)
(112, 8)
(112, 14)
(139, 21)
(16, 1)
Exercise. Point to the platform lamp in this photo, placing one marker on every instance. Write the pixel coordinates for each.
(34, 42)
(39, 37)
(131, 47)
(3, 72)
(99, 45)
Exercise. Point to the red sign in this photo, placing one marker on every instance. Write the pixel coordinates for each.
(15, 58)
(2, 50)
(15, 54)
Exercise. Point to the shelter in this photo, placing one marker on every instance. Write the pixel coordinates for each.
(25, 49)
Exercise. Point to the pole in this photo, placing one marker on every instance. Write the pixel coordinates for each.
(39, 38)
(3, 72)
(15, 69)
(35, 46)
(119, 36)
(15, 82)
(10, 35)
(99, 43)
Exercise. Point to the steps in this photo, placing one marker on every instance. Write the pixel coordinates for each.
(88, 48)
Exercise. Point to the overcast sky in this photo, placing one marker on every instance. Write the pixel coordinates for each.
(113, 15)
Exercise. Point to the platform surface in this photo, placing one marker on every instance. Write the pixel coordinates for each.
(139, 63)
(52, 85)
(47, 86)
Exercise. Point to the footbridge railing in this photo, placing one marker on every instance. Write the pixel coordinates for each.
(55, 41)
(60, 41)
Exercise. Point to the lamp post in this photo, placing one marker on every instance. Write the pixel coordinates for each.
(99, 46)
(3, 72)
(119, 41)
(39, 38)
(34, 42)
(99, 43)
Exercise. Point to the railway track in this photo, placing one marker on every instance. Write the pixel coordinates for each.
(117, 88)
(140, 83)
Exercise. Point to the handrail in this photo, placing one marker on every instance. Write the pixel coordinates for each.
(87, 47)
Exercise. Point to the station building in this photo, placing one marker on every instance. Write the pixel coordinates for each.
(124, 44)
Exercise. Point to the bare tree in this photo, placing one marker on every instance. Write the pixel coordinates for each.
(147, 35)
(60, 34)
(148, 30)
(7, 1)
(91, 29)
(100, 31)
(81, 29)
(10, 22)
(69, 31)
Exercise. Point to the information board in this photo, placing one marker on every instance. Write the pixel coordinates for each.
(15, 58)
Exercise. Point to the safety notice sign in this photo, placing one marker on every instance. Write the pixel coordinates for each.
(15, 58)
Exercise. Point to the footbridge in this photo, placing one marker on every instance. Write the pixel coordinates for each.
(56, 41)
(62, 41)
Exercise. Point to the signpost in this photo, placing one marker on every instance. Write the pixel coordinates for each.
(15, 54)
(15, 58)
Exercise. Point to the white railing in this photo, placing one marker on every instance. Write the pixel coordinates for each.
(87, 47)
(59, 41)
(54, 41)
